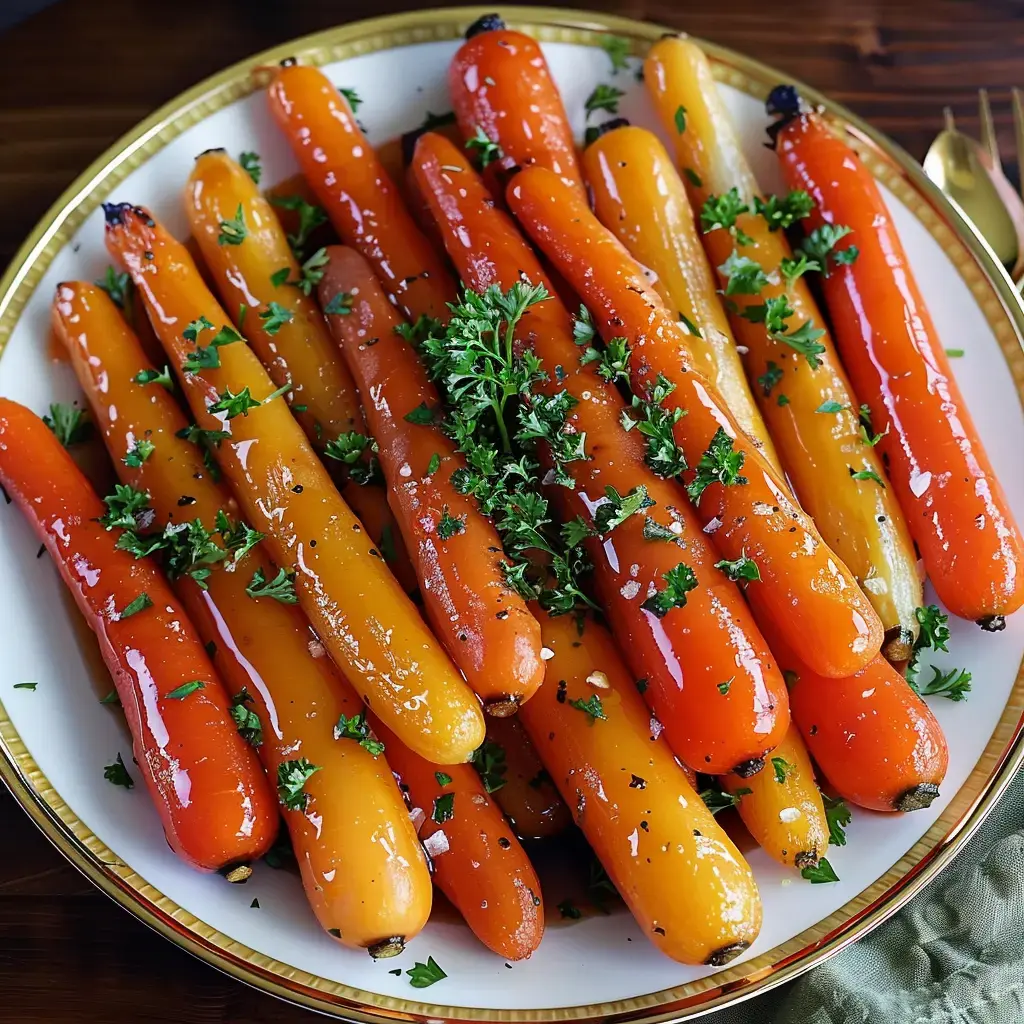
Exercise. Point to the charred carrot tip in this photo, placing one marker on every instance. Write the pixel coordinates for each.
(212, 149)
(114, 212)
(606, 127)
(485, 23)
(917, 798)
(993, 623)
(784, 101)
(289, 62)
(745, 769)
(387, 948)
(722, 956)
(502, 707)
(806, 859)
(237, 873)
(897, 645)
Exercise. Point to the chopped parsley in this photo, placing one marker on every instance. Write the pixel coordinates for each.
(138, 453)
(743, 275)
(310, 218)
(612, 361)
(274, 317)
(486, 150)
(583, 331)
(820, 873)
(867, 434)
(680, 119)
(353, 98)
(954, 684)
(782, 768)
(421, 415)
(280, 588)
(740, 569)
(117, 774)
(448, 525)
(771, 376)
(663, 456)
(117, 286)
(292, 777)
(69, 425)
(820, 246)
(591, 707)
(425, 975)
(679, 581)
(442, 778)
(311, 273)
(139, 604)
(233, 231)
(720, 212)
(250, 163)
(161, 377)
(837, 816)
(604, 97)
(866, 474)
(489, 761)
(247, 722)
(717, 799)
(720, 463)
(181, 692)
(355, 727)
(617, 49)
(444, 808)
(784, 212)
(617, 508)
(830, 406)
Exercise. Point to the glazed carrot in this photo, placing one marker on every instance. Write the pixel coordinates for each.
(370, 627)
(874, 739)
(295, 345)
(958, 514)
(804, 589)
(782, 806)
(214, 802)
(514, 776)
(484, 623)
(806, 399)
(502, 91)
(687, 885)
(711, 680)
(363, 203)
(478, 862)
(638, 195)
(265, 652)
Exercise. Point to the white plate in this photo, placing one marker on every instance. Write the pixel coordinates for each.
(58, 738)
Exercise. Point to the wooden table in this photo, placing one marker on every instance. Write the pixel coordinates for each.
(80, 73)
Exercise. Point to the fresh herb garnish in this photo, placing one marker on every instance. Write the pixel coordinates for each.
(830, 406)
(181, 692)
(442, 778)
(207, 357)
(793, 268)
(819, 873)
(448, 525)
(310, 218)
(291, 778)
(679, 581)
(784, 212)
(717, 799)
(311, 273)
(720, 212)
(355, 727)
(486, 150)
(250, 163)
(444, 808)
(351, 448)
(612, 360)
(867, 434)
(247, 722)
(782, 768)
(604, 97)
(274, 317)
(866, 474)
(68, 424)
(280, 588)
(139, 604)
(954, 684)
(233, 231)
(434, 464)
(616, 508)
(591, 707)
(117, 286)
(617, 49)
(26, 686)
(161, 377)
(820, 246)
(583, 331)
(771, 376)
(663, 456)
(117, 774)
(838, 816)
(680, 119)
(489, 761)
(720, 463)
(353, 98)
(126, 507)
(743, 275)
(654, 530)
(740, 570)
(239, 540)
(425, 975)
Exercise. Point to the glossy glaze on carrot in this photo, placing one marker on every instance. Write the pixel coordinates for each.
(264, 649)
(363, 203)
(688, 654)
(685, 882)
(805, 590)
(811, 410)
(782, 807)
(483, 623)
(213, 799)
(295, 345)
(638, 195)
(955, 507)
(501, 88)
(363, 617)
(477, 861)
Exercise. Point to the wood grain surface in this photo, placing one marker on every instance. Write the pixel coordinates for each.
(80, 73)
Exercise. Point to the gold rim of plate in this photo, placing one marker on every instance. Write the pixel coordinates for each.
(1003, 755)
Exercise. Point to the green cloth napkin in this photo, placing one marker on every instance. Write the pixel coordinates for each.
(953, 955)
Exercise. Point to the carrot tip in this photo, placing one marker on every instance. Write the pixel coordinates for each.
(289, 62)
(212, 149)
(502, 707)
(917, 798)
(897, 645)
(746, 769)
(806, 859)
(993, 623)
(387, 948)
(485, 23)
(237, 874)
(722, 956)
(593, 134)
(114, 213)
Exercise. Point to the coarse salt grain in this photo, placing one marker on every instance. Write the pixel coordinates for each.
(788, 814)
(316, 649)
(599, 680)
(656, 727)
(713, 525)
(546, 654)
(436, 844)
(417, 816)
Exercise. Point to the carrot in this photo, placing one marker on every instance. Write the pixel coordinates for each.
(457, 552)
(804, 394)
(685, 882)
(254, 275)
(363, 203)
(639, 197)
(513, 774)
(710, 678)
(478, 863)
(504, 97)
(299, 212)
(370, 627)
(804, 589)
(956, 509)
(782, 806)
(265, 651)
(214, 802)
(874, 739)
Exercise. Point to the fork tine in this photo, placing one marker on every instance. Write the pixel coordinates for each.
(988, 131)
(1018, 132)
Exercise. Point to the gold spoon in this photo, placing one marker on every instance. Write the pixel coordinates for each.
(955, 163)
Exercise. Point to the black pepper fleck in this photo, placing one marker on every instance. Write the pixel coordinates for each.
(504, 843)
